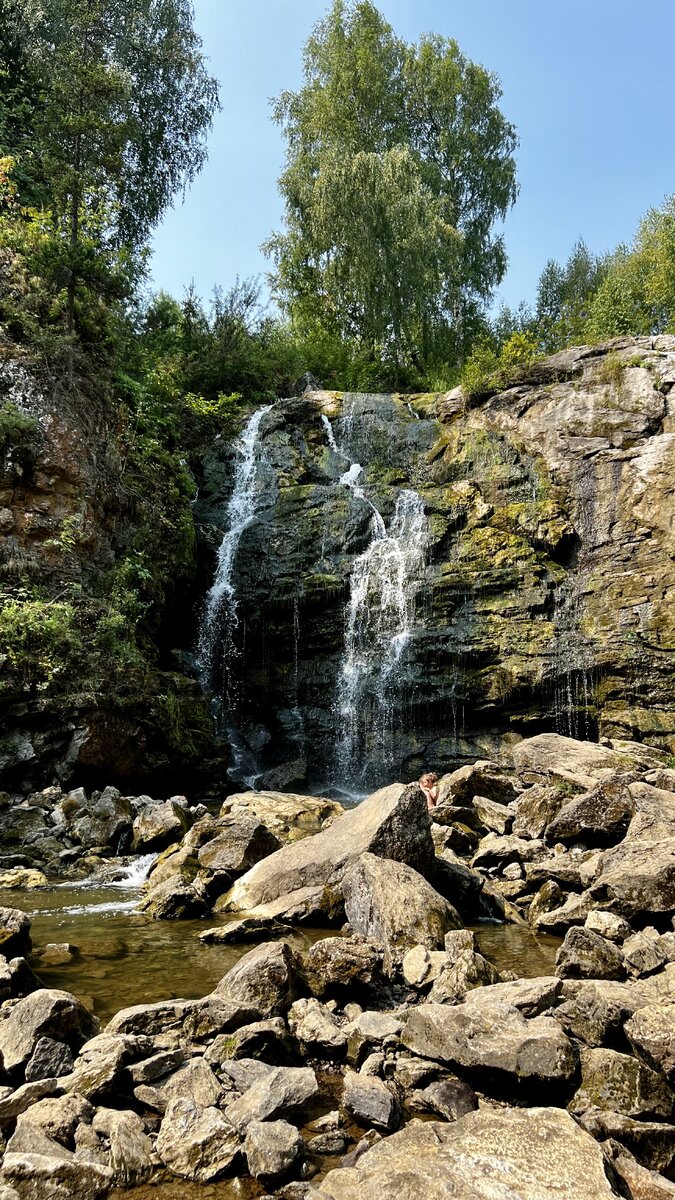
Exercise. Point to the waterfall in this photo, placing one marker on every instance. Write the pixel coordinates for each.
(379, 622)
(216, 645)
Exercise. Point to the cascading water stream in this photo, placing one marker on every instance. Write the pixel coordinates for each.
(379, 624)
(219, 622)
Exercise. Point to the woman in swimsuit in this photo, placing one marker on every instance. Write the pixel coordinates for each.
(429, 785)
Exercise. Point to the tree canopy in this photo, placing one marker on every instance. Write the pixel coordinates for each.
(399, 164)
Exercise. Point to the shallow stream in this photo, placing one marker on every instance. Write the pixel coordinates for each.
(123, 957)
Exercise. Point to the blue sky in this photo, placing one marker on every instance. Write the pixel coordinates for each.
(587, 83)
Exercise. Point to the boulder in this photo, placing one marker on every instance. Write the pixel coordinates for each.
(531, 997)
(195, 1080)
(159, 825)
(448, 1098)
(196, 1143)
(651, 1033)
(586, 955)
(512, 1153)
(369, 1101)
(640, 1182)
(421, 966)
(23, 879)
(652, 1142)
(371, 1031)
(46, 1013)
(394, 906)
(14, 932)
(281, 1091)
(482, 778)
(637, 877)
(271, 1149)
(537, 807)
(393, 823)
(132, 1155)
(315, 1028)
(268, 1040)
(99, 1070)
(643, 952)
(469, 971)
(344, 967)
(289, 817)
(622, 1084)
(241, 842)
(103, 821)
(608, 925)
(58, 1117)
(494, 1040)
(173, 899)
(551, 752)
(49, 1060)
(594, 1011)
(493, 816)
(267, 979)
(496, 850)
(37, 1176)
(598, 818)
(559, 920)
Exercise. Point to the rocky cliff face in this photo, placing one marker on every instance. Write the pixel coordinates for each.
(531, 589)
(80, 698)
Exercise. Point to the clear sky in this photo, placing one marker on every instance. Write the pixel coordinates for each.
(587, 83)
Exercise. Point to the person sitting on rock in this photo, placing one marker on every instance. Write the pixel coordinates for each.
(429, 785)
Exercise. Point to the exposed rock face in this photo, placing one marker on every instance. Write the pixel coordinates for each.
(547, 588)
(479, 1157)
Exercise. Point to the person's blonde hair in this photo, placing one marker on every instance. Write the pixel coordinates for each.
(428, 777)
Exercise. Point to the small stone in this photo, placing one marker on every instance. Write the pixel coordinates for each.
(513, 871)
(608, 925)
(643, 953)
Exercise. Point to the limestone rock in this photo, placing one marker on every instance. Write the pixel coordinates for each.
(495, 1039)
(449, 1098)
(196, 1143)
(289, 817)
(651, 1033)
(266, 978)
(240, 842)
(622, 1084)
(340, 967)
(551, 752)
(159, 825)
(316, 1029)
(481, 778)
(132, 1156)
(528, 1154)
(598, 818)
(643, 952)
(471, 970)
(369, 1101)
(392, 823)
(493, 816)
(280, 1091)
(47, 1013)
(271, 1149)
(608, 925)
(637, 877)
(14, 932)
(36, 1176)
(586, 955)
(392, 905)
(50, 1059)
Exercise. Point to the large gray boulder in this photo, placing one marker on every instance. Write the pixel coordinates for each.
(344, 968)
(159, 825)
(394, 906)
(283, 1090)
(651, 1033)
(271, 1149)
(393, 823)
(46, 1013)
(197, 1143)
(507, 1154)
(597, 818)
(267, 979)
(621, 1083)
(39, 1176)
(288, 816)
(587, 955)
(637, 877)
(239, 843)
(14, 932)
(552, 753)
(491, 1039)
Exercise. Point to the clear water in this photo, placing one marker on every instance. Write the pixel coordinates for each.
(124, 957)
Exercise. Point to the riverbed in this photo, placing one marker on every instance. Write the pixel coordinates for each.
(122, 957)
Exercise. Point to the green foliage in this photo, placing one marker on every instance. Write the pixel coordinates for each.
(488, 370)
(17, 429)
(38, 641)
(399, 162)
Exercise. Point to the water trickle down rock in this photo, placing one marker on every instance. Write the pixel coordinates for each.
(379, 623)
(217, 646)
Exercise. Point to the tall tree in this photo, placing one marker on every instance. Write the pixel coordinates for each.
(126, 102)
(399, 163)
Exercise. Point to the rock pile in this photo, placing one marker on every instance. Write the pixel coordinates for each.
(310, 1072)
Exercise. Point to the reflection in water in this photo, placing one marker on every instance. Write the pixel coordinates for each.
(516, 948)
(124, 957)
